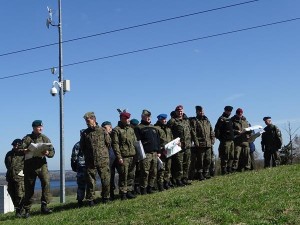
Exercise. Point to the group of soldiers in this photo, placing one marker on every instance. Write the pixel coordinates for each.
(105, 150)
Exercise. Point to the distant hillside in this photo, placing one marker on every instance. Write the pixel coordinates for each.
(269, 196)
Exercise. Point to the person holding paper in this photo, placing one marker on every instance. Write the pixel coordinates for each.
(14, 162)
(123, 139)
(149, 137)
(165, 134)
(37, 167)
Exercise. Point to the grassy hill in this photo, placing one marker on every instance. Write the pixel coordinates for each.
(270, 196)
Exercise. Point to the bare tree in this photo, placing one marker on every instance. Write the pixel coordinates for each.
(291, 150)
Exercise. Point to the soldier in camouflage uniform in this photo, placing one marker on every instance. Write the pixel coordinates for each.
(14, 162)
(78, 166)
(224, 132)
(241, 145)
(271, 142)
(180, 126)
(165, 134)
(37, 167)
(123, 139)
(204, 138)
(94, 143)
(148, 135)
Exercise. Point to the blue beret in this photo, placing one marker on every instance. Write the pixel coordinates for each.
(134, 122)
(37, 123)
(105, 123)
(162, 116)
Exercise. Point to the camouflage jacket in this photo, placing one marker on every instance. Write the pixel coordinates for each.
(94, 143)
(123, 139)
(149, 136)
(238, 125)
(36, 162)
(202, 132)
(181, 128)
(14, 162)
(165, 134)
(224, 128)
(271, 139)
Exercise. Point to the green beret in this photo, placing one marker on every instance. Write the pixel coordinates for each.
(134, 122)
(37, 123)
(146, 112)
(105, 123)
(89, 115)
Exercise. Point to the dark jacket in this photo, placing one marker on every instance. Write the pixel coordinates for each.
(149, 137)
(271, 139)
(224, 128)
(202, 132)
(14, 162)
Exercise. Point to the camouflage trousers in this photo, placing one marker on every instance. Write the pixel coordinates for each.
(241, 156)
(30, 176)
(203, 159)
(273, 156)
(226, 154)
(148, 170)
(164, 174)
(103, 170)
(126, 174)
(181, 164)
(81, 183)
(15, 188)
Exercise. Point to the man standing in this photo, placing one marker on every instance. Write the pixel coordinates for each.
(123, 139)
(94, 143)
(165, 134)
(78, 166)
(204, 138)
(14, 162)
(37, 167)
(180, 126)
(241, 145)
(148, 135)
(224, 132)
(271, 142)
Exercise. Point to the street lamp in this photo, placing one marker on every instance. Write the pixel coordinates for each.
(64, 85)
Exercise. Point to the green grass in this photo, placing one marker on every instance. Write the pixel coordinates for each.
(269, 196)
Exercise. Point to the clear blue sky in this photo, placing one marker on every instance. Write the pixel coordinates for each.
(257, 70)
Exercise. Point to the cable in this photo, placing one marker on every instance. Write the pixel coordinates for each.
(159, 46)
(128, 28)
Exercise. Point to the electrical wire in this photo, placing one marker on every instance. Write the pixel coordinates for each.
(156, 47)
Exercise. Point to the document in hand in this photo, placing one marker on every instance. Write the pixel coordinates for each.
(160, 164)
(139, 150)
(37, 150)
(172, 147)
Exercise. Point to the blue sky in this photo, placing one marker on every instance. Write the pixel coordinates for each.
(256, 70)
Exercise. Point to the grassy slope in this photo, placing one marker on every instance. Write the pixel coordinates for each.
(268, 196)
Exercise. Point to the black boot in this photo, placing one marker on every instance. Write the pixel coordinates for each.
(45, 209)
(179, 183)
(143, 191)
(185, 181)
(160, 187)
(18, 212)
(207, 175)
(123, 196)
(166, 185)
(201, 177)
(130, 195)
(137, 189)
(27, 213)
(80, 203)
(150, 190)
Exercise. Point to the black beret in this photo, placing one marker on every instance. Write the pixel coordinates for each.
(228, 108)
(266, 118)
(199, 108)
(17, 142)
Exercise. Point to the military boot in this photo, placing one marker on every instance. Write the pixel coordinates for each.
(207, 175)
(80, 203)
(143, 191)
(179, 183)
(45, 209)
(130, 195)
(137, 189)
(150, 190)
(160, 187)
(123, 196)
(201, 177)
(18, 212)
(185, 181)
(166, 185)
(27, 213)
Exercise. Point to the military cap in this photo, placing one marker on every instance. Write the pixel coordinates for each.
(228, 108)
(134, 122)
(146, 112)
(198, 108)
(89, 115)
(266, 118)
(239, 110)
(125, 114)
(179, 107)
(162, 116)
(17, 142)
(37, 123)
(105, 123)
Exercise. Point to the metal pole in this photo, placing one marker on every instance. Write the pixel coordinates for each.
(61, 111)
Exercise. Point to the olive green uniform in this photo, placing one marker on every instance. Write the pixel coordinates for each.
(94, 143)
(36, 167)
(241, 145)
(123, 139)
(181, 160)
(14, 162)
(271, 141)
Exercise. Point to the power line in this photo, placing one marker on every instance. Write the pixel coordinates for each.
(156, 47)
(128, 28)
